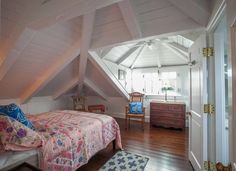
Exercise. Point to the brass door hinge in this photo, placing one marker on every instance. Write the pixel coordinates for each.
(209, 166)
(208, 52)
(212, 166)
(209, 108)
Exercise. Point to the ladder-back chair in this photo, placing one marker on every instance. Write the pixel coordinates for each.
(135, 109)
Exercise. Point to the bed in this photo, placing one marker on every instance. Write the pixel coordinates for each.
(67, 139)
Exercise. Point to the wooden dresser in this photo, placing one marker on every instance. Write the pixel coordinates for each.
(167, 114)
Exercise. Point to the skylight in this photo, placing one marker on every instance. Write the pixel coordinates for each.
(181, 40)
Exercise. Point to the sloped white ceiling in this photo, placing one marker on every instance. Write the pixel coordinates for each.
(39, 55)
(153, 52)
(36, 48)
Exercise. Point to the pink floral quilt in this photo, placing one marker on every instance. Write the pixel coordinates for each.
(71, 138)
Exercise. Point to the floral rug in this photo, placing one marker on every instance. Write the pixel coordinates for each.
(125, 161)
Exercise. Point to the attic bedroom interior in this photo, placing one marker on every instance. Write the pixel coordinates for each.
(118, 85)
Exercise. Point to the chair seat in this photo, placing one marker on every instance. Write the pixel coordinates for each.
(136, 115)
(135, 105)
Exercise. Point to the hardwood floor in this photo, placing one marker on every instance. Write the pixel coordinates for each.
(166, 149)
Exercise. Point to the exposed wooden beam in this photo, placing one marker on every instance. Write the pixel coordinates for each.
(130, 19)
(87, 31)
(192, 8)
(138, 55)
(51, 72)
(65, 88)
(89, 83)
(64, 10)
(99, 64)
(23, 41)
(178, 53)
(128, 53)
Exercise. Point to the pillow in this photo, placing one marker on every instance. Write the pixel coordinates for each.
(15, 112)
(136, 107)
(16, 136)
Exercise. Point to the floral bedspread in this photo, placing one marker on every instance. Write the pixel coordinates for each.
(71, 138)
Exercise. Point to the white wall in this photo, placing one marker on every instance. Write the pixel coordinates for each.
(41, 104)
(115, 106)
(114, 69)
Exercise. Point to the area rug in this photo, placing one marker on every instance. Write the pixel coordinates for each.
(125, 161)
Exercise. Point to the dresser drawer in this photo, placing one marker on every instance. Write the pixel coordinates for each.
(168, 122)
(167, 114)
(176, 108)
(167, 107)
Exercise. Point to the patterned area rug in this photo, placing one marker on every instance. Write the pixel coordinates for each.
(124, 161)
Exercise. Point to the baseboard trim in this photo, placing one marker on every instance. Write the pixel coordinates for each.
(122, 116)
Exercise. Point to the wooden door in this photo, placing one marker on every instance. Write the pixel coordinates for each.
(198, 97)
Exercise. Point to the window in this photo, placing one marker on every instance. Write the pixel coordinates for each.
(169, 82)
(155, 83)
(138, 82)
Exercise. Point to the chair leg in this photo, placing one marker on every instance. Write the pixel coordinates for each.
(129, 122)
(126, 122)
(143, 123)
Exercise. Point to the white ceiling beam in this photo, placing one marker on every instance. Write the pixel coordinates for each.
(138, 55)
(178, 53)
(192, 8)
(179, 47)
(110, 77)
(128, 53)
(105, 51)
(89, 83)
(51, 72)
(163, 66)
(87, 31)
(191, 36)
(158, 61)
(65, 88)
(64, 10)
(130, 19)
(23, 41)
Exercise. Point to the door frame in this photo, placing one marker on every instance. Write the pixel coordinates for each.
(222, 135)
(212, 134)
(232, 62)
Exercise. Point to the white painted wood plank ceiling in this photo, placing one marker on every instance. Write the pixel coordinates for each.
(37, 48)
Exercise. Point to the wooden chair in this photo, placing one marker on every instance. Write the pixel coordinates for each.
(135, 97)
(78, 103)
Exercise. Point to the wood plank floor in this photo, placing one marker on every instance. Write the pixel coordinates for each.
(166, 149)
